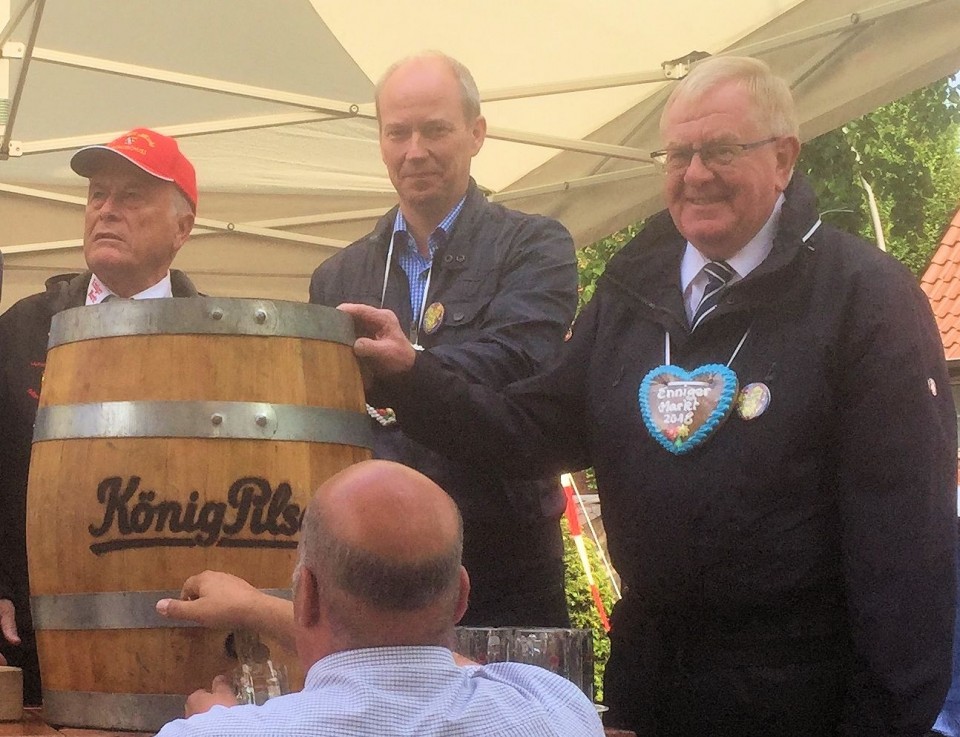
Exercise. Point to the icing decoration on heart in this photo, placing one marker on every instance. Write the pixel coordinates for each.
(682, 409)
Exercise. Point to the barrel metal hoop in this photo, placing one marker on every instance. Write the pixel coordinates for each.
(115, 711)
(201, 316)
(227, 420)
(110, 610)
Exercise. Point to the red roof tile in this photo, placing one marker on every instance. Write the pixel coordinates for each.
(941, 283)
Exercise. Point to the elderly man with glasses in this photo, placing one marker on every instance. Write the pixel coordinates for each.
(766, 405)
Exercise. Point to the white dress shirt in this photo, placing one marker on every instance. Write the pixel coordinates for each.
(693, 279)
(97, 291)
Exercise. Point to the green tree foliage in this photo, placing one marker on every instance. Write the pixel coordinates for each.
(908, 152)
(583, 612)
(592, 260)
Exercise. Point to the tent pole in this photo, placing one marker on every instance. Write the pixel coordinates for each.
(209, 84)
(21, 80)
(13, 23)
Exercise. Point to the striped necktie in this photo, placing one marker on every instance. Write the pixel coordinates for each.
(718, 274)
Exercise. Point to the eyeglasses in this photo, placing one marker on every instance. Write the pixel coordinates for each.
(712, 155)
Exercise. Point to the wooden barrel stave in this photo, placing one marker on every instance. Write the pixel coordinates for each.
(314, 373)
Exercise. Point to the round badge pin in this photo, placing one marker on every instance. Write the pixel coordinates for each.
(433, 317)
(753, 400)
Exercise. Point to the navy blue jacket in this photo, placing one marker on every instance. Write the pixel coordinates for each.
(507, 282)
(794, 574)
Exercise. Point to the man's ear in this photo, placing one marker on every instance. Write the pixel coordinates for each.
(306, 599)
(479, 132)
(787, 150)
(463, 595)
(184, 226)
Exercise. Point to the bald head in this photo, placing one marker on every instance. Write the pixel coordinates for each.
(383, 544)
(389, 511)
(469, 94)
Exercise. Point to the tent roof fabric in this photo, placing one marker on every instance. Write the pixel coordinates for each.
(273, 103)
(941, 282)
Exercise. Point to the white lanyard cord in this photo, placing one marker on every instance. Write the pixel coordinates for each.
(386, 270)
(426, 287)
(666, 346)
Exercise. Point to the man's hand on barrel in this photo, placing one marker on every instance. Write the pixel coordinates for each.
(8, 625)
(383, 348)
(215, 599)
(221, 694)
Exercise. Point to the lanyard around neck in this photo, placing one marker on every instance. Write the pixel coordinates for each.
(666, 346)
(743, 339)
(415, 332)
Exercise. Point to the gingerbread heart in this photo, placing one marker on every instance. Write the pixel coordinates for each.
(681, 408)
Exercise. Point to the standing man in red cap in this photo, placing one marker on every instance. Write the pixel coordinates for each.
(141, 204)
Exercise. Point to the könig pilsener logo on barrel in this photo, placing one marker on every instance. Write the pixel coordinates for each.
(254, 515)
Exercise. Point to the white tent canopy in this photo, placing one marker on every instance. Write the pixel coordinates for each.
(272, 101)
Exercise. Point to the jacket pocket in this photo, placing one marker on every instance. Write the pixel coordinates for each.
(461, 313)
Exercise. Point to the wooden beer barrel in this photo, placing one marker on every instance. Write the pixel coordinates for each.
(173, 435)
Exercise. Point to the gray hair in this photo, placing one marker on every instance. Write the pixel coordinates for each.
(773, 101)
(181, 205)
(469, 93)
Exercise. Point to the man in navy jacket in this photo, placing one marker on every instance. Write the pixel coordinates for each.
(489, 292)
(765, 402)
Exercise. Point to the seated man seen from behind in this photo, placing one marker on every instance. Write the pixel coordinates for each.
(378, 588)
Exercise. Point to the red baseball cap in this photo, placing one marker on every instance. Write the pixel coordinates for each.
(155, 153)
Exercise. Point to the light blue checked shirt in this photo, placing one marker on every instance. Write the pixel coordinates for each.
(415, 266)
(406, 691)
